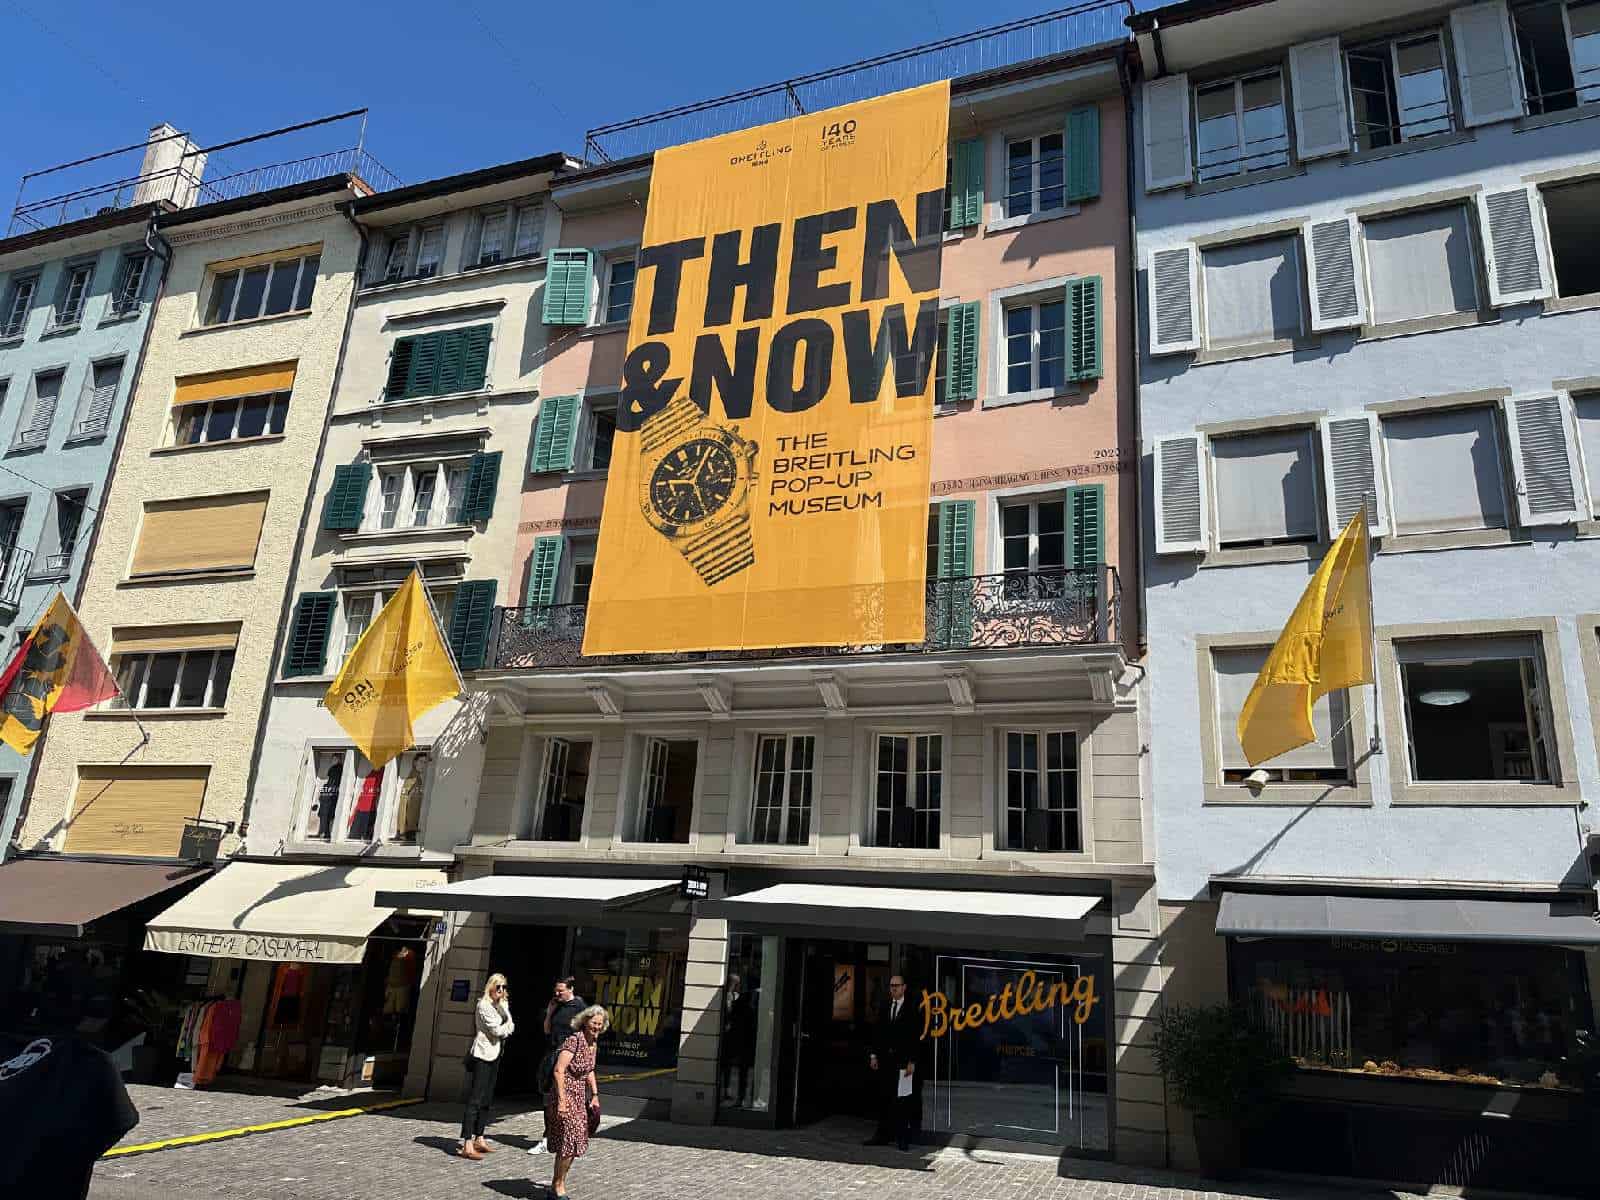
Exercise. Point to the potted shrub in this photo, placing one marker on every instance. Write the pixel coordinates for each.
(1223, 1068)
(155, 1061)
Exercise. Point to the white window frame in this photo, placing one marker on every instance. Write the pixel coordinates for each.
(127, 299)
(1036, 187)
(578, 551)
(1042, 291)
(202, 409)
(631, 800)
(20, 295)
(1572, 59)
(511, 215)
(1302, 296)
(1508, 499)
(64, 313)
(409, 240)
(137, 702)
(441, 591)
(1237, 82)
(864, 827)
(1032, 500)
(1391, 43)
(591, 404)
(411, 473)
(383, 828)
(747, 767)
(608, 266)
(999, 735)
(542, 752)
(1474, 251)
(274, 266)
(1320, 493)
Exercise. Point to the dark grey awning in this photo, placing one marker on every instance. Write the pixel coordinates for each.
(1562, 922)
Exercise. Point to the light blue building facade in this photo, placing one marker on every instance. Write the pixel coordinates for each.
(75, 300)
(1369, 275)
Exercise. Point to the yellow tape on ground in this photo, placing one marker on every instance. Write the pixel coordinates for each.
(629, 1078)
(194, 1139)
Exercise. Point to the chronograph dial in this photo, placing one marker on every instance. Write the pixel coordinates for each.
(692, 481)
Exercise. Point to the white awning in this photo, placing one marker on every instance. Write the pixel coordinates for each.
(562, 896)
(909, 910)
(283, 912)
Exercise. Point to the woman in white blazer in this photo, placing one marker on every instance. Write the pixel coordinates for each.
(493, 1023)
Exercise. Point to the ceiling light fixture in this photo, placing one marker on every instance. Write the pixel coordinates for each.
(1445, 697)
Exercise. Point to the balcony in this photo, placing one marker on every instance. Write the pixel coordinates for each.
(14, 566)
(1016, 610)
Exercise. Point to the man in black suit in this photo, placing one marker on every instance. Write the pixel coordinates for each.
(895, 1055)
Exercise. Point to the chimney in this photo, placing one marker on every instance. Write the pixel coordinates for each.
(171, 168)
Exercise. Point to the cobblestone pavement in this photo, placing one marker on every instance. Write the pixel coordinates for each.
(404, 1154)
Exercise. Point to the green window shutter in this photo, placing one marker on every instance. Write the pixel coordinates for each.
(347, 498)
(954, 595)
(307, 644)
(554, 434)
(477, 498)
(1086, 510)
(399, 368)
(544, 568)
(469, 622)
(966, 186)
(1083, 305)
(1083, 153)
(422, 379)
(961, 353)
(452, 360)
(566, 287)
(475, 367)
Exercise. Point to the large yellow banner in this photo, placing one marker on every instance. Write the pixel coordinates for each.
(769, 480)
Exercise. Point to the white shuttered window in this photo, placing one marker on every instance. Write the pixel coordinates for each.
(1444, 471)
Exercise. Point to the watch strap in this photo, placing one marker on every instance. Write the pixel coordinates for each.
(723, 551)
(673, 423)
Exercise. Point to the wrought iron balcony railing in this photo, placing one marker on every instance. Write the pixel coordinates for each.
(1057, 607)
(14, 565)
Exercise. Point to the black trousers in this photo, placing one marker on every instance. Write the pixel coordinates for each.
(481, 1077)
(897, 1115)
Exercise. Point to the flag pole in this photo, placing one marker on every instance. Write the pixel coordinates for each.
(422, 582)
(1376, 745)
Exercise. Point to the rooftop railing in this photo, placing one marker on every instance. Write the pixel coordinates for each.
(1077, 27)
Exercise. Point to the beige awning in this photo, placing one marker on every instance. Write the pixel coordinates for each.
(283, 912)
(1054, 915)
(562, 896)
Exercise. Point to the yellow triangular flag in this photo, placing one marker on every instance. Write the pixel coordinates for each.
(1326, 645)
(399, 670)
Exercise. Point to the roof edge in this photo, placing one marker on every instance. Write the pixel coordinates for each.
(444, 185)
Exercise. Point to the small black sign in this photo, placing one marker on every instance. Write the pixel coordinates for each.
(460, 990)
(201, 841)
(696, 883)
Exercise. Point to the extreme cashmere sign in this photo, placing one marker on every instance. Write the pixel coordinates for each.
(769, 482)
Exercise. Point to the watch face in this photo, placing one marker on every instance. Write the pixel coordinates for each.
(693, 481)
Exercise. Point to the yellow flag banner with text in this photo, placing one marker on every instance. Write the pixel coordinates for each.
(1326, 645)
(399, 670)
(769, 482)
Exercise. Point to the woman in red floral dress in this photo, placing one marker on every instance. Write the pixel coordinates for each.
(574, 1094)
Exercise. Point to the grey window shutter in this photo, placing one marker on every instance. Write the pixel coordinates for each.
(1350, 467)
(1338, 300)
(1321, 124)
(1181, 516)
(1486, 63)
(1167, 159)
(1515, 245)
(1173, 285)
(1544, 459)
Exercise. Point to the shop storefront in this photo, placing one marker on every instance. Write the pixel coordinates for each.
(323, 983)
(1435, 1039)
(1011, 994)
(71, 932)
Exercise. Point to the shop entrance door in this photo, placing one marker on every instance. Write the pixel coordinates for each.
(839, 984)
(531, 957)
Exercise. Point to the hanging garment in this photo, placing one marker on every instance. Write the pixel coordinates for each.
(397, 983)
(226, 1018)
(364, 818)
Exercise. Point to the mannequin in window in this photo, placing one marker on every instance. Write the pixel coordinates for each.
(364, 816)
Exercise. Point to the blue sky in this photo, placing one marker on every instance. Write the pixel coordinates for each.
(452, 85)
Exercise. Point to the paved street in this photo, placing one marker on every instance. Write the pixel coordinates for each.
(404, 1155)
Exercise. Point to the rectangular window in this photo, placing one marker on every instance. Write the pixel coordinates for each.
(173, 679)
(129, 289)
(1444, 471)
(99, 397)
(599, 437)
(134, 810)
(63, 524)
(19, 302)
(579, 569)
(506, 232)
(1036, 174)
(1422, 264)
(361, 606)
(268, 289)
(1041, 792)
(416, 252)
(33, 429)
(1587, 409)
(1252, 292)
(666, 791)
(348, 801)
(527, 233)
(73, 291)
(1559, 44)
(418, 496)
(566, 786)
(1569, 213)
(1476, 710)
(206, 533)
(234, 419)
(908, 796)
(941, 363)
(620, 276)
(1240, 126)
(785, 780)
(1266, 487)
(1033, 547)
(1399, 90)
(322, 810)
(1036, 346)
(1326, 760)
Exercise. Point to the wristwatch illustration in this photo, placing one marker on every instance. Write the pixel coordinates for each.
(696, 482)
